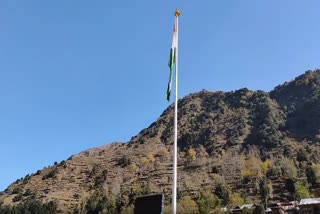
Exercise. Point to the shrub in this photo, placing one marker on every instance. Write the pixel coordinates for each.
(301, 191)
(98, 203)
(51, 174)
(5, 209)
(162, 153)
(191, 155)
(16, 190)
(313, 174)
(17, 198)
(148, 161)
(288, 168)
(92, 170)
(63, 163)
(252, 168)
(265, 166)
(290, 185)
(215, 169)
(235, 199)
(26, 179)
(302, 155)
(128, 210)
(223, 192)
(141, 189)
(207, 202)
(258, 209)
(99, 180)
(27, 192)
(246, 210)
(34, 206)
(274, 171)
(187, 204)
(124, 161)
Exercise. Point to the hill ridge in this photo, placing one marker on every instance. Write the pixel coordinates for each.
(235, 138)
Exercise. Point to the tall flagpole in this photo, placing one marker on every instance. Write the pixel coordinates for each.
(174, 184)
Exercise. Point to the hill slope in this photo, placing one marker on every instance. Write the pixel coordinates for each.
(226, 139)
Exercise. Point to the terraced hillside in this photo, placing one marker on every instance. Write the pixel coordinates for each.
(252, 146)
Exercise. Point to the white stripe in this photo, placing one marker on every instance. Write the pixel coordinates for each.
(174, 38)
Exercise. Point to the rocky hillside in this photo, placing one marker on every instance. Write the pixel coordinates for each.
(240, 146)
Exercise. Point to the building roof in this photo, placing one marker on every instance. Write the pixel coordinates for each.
(287, 205)
(249, 206)
(307, 201)
(240, 208)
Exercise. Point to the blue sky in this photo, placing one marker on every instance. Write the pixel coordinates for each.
(79, 74)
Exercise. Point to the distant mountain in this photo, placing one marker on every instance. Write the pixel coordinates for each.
(234, 147)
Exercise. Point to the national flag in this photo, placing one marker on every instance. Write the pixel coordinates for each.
(172, 59)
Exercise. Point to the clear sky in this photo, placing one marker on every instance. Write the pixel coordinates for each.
(79, 74)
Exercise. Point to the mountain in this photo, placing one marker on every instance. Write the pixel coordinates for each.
(233, 147)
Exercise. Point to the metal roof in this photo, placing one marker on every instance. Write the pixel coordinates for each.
(306, 201)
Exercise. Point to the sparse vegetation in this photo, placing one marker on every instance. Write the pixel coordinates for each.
(124, 161)
(51, 174)
(234, 148)
(27, 192)
(187, 205)
(30, 206)
(191, 155)
(17, 198)
(207, 202)
(301, 191)
(258, 209)
(16, 190)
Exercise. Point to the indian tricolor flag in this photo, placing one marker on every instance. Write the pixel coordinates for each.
(172, 58)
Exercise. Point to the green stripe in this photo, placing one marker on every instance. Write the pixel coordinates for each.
(172, 60)
(169, 86)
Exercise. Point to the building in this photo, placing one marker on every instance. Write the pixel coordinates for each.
(239, 209)
(309, 206)
(289, 207)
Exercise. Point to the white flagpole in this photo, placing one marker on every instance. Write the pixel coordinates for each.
(174, 184)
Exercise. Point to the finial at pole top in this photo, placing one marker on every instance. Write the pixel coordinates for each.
(177, 12)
